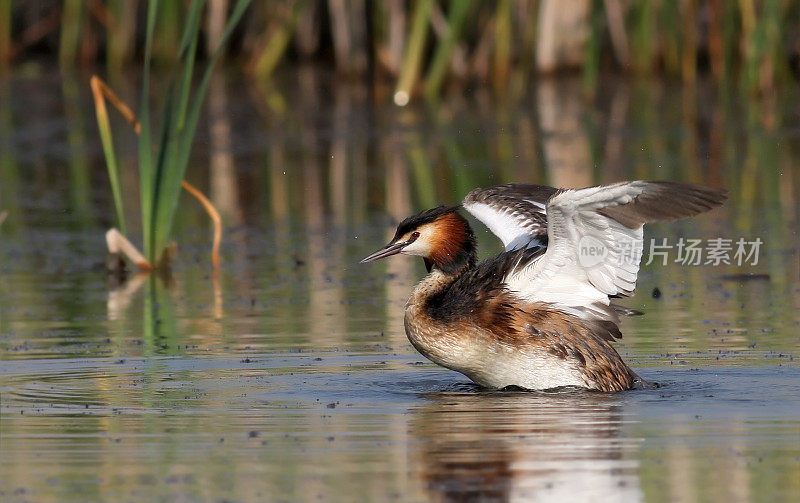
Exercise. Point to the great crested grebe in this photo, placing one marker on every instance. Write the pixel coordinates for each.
(538, 315)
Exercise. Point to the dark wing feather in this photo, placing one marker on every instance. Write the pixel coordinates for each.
(664, 200)
(514, 212)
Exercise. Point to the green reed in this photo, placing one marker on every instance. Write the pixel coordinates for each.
(79, 174)
(10, 172)
(163, 157)
(444, 51)
(121, 34)
(5, 31)
(276, 45)
(167, 46)
(420, 45)
(72, 20)
(591, 70)
(414, 52)
(160, 329)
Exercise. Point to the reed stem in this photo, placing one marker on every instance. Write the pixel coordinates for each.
(108, 148)
(71, 24)
(502, 44)
(5, 31)
(441, 58)
(414, 50)
(121, 32)
(273, 51)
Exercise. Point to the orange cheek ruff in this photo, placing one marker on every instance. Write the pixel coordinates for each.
(448, 239)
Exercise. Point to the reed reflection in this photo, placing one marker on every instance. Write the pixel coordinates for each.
(79, 175)
(398, 205)
(222, 171)
(9, 169)
(567, 151)
(416, 158)
(323, 257)
(524, 447)
(289, 284)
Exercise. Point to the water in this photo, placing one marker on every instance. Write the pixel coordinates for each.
(290, 378)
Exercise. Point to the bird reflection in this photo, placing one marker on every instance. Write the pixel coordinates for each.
(509, 446)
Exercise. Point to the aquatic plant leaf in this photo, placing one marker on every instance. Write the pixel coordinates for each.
(179, 148)
(414, 52)
(107, 140)
(145, 146)
(188, 54)
(444, 51)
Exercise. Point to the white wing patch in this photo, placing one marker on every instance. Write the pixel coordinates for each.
(538, 204)
(514, 229)
(594, 236)
(514, 212)
(589, 256)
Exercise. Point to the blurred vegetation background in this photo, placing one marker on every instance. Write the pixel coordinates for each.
(696, 90)
(302, 125)
(422, 46)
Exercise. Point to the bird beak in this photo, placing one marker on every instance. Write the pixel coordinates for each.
(386, 251)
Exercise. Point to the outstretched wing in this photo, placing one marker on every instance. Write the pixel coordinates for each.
(595, 242)
(515, 212)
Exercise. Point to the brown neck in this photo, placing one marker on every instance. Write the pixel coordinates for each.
(452, 265)
(454, 252)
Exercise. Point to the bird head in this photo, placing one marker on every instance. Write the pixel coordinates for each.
(440, 235)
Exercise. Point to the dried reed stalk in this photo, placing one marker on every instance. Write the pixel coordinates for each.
(116, 240)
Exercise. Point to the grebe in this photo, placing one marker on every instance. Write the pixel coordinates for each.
(538, 315)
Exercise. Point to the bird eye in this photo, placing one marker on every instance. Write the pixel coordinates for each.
(414, 235)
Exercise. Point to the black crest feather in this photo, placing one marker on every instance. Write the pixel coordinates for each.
(425, 217)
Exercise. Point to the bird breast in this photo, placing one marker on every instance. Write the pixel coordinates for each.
(489, 362)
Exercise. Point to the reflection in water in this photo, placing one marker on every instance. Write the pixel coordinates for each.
(525, 447)
(307, 349)
(398, 206)
(613, 158)
(120, 298)
(9, 172)
(222, 173)
(160, 330)
(566, 145)
(79, 176)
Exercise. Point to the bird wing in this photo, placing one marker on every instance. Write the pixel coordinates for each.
(515, 212)
(595, 243)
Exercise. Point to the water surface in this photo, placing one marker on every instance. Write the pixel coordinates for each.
(290, 378)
